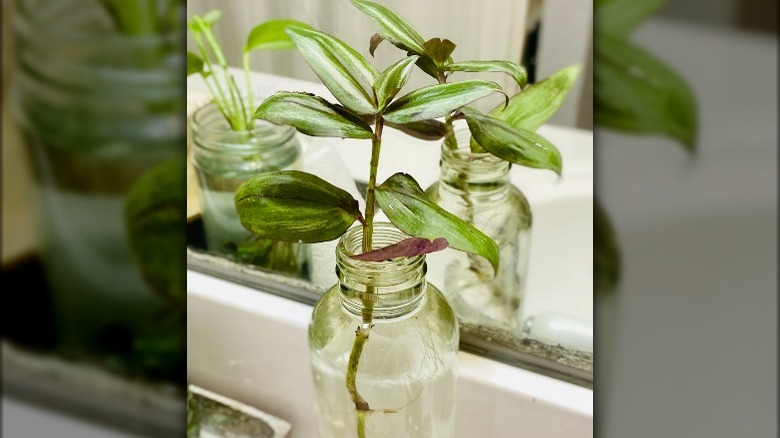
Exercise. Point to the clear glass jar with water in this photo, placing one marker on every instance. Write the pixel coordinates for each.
(476, 188)
(404, 380)
(99, 110)
(224, 159)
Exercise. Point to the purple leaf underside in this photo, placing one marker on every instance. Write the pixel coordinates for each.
(406, 248)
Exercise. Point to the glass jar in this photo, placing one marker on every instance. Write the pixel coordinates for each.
(476, 187)
(224, 159)
(98, 110)
(407, 365)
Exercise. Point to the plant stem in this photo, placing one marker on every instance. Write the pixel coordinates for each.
(249, 93)
(449, 137)
(368, 228)
(361, 334)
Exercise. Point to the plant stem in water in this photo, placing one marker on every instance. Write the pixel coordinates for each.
(361, 334)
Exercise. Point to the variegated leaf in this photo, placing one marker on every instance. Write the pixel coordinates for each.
(312, 115)
(390, 81)
(396, 29)
(437, 100)
(516, 71)
(344, 71)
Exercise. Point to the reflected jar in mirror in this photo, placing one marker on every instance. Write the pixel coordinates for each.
(224, 159)
(407, 338)
(476, 188)
(100, 113)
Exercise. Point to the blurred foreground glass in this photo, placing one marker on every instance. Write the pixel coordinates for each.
(101, 111)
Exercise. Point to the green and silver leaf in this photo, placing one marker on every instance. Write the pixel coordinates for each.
(393, 27)
(344, 71)
(516, 145)
(409, 209)
(390, 81)
(533, 106)
(295, 206)
(312, 115)
(516, 71)
(271, 35)
(425, 130)
(437, 100)
(635, 92)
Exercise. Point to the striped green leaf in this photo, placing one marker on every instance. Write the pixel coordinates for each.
(425, 130)
(437, 100)
(295, 206)
(393, 27)
(390, 81)
(533, 106)
(271, 35)
(344, 71)
(312, 115)
(516, 145)
(409, 209)
(516, 71)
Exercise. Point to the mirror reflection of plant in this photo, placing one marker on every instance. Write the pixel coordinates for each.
(236, 107)
(634, 92)
(212, 65)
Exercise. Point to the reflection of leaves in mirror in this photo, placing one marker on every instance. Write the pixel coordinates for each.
(634, 92)
(276, 255)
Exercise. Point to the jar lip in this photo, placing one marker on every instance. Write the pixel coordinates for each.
(28, 24)
(464, 152)
(385, 233)
(203, 123)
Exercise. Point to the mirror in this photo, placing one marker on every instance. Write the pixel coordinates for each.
(552, 334)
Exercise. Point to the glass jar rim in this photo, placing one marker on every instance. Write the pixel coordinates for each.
(385, 233)
(208, 120)
(30, 25)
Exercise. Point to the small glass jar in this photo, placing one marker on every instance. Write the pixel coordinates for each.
(407, 365)
(224, 159)
(99, 110)
(476, 187)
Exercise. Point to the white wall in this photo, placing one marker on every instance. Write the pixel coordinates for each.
(484, 29)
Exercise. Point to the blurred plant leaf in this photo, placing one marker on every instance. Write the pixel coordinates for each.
(439, 50)
(312, 115)
(530, 108)
(134, 17)
(194, 64)
(271, 35)
(516, 145)
(155, 216)
(437, 100)
(516, 71)
(621, 17)
(635, 92)
(393, 27)
(425, 129)
(211, 17)
(295, 206)
(406, 248)
(409, 209)
(606, 263)
(344, 71)
(390, 81)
